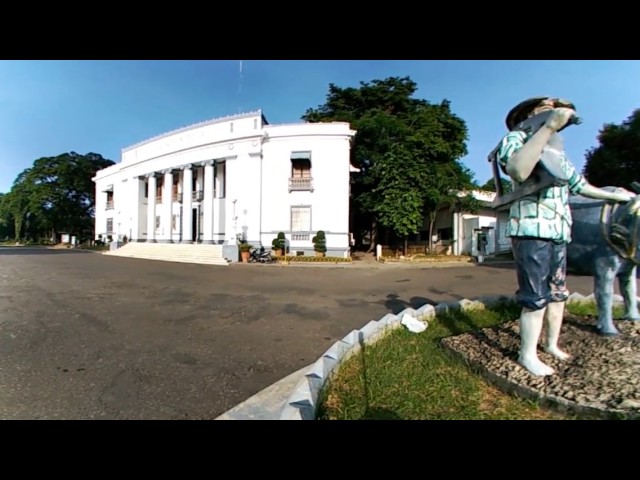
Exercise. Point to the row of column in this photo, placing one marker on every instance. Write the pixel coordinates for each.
(187, 205)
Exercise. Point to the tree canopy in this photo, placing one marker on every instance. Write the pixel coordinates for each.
(408, 152)
(616, 160)
(56, 194)
(490, 185)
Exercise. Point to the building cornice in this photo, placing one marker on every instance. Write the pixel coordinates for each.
(193, 126)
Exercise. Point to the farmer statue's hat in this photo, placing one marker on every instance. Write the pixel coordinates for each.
(521, 111)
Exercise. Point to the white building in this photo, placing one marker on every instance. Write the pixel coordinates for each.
(209, 182)
(462, 231)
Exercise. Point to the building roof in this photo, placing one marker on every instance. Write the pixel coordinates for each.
(199, 124)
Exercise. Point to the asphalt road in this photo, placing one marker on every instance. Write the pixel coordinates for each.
(87, 336)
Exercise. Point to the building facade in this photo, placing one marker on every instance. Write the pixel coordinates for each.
(234, 176)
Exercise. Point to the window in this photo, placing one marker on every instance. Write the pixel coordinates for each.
(157, 222)
(301, 165)
(300, 179)
(194, 180)
(300, 169)
(109, 225)
(301, 219)
(159, 184)
(109, 200)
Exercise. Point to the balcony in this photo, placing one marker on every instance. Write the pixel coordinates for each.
(301, 185)
(196, 196)
(109, 205)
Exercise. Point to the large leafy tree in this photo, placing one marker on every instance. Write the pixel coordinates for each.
(616, 160)
(56, 194)
(6, 230)
(403, 147)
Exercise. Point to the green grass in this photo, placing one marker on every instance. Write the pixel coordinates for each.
(409, 376)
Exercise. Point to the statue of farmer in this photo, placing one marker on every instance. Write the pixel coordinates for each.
(540, 223)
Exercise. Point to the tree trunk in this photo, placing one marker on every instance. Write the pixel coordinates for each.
(374, 237)
(405, 246)
(432, 221)
(17, 223)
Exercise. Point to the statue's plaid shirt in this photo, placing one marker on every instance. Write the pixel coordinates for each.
(545, 214)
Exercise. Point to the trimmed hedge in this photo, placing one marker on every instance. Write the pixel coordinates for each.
(311, 259)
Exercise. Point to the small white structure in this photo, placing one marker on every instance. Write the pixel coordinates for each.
(213, 181)
(475, 234)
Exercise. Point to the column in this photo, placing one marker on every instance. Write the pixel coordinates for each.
(456, 233)
(187, 216)
(151, 209)
(167, 204)
(207, 220)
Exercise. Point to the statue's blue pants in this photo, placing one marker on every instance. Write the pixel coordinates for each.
(542, 271)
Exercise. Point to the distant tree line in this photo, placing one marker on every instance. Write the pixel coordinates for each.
(55, 195)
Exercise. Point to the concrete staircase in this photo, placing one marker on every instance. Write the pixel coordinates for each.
(173, 252)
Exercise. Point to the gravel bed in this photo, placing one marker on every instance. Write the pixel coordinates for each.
(601, 379)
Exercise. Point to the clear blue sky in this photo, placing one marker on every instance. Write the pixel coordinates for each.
(51, 107)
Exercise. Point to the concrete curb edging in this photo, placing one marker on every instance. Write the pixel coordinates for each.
(302, 402)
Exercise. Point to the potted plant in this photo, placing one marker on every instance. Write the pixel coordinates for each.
(278, 244)
(320, 244)
(243, 247)
(245, 251)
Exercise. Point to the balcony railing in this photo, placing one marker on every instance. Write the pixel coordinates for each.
(196, 196)
(300, 237)
(109, 205)
(301, 184)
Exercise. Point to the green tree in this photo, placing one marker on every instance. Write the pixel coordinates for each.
(400, 183)
(615, 161)
(56, 194)
(399, 140)
(5, 218)
(490, 185)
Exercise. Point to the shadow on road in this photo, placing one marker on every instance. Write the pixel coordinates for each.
(395, 304)
(498, 265)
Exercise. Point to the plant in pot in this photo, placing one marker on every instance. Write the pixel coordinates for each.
(278, 244)
(244, 247)
(320, 244)
(245, 251)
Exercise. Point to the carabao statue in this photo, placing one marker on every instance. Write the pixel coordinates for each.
(605, 245)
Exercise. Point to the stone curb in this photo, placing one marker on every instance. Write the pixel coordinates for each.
(302, 402)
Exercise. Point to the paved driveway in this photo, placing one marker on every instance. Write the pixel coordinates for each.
(84, 335)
